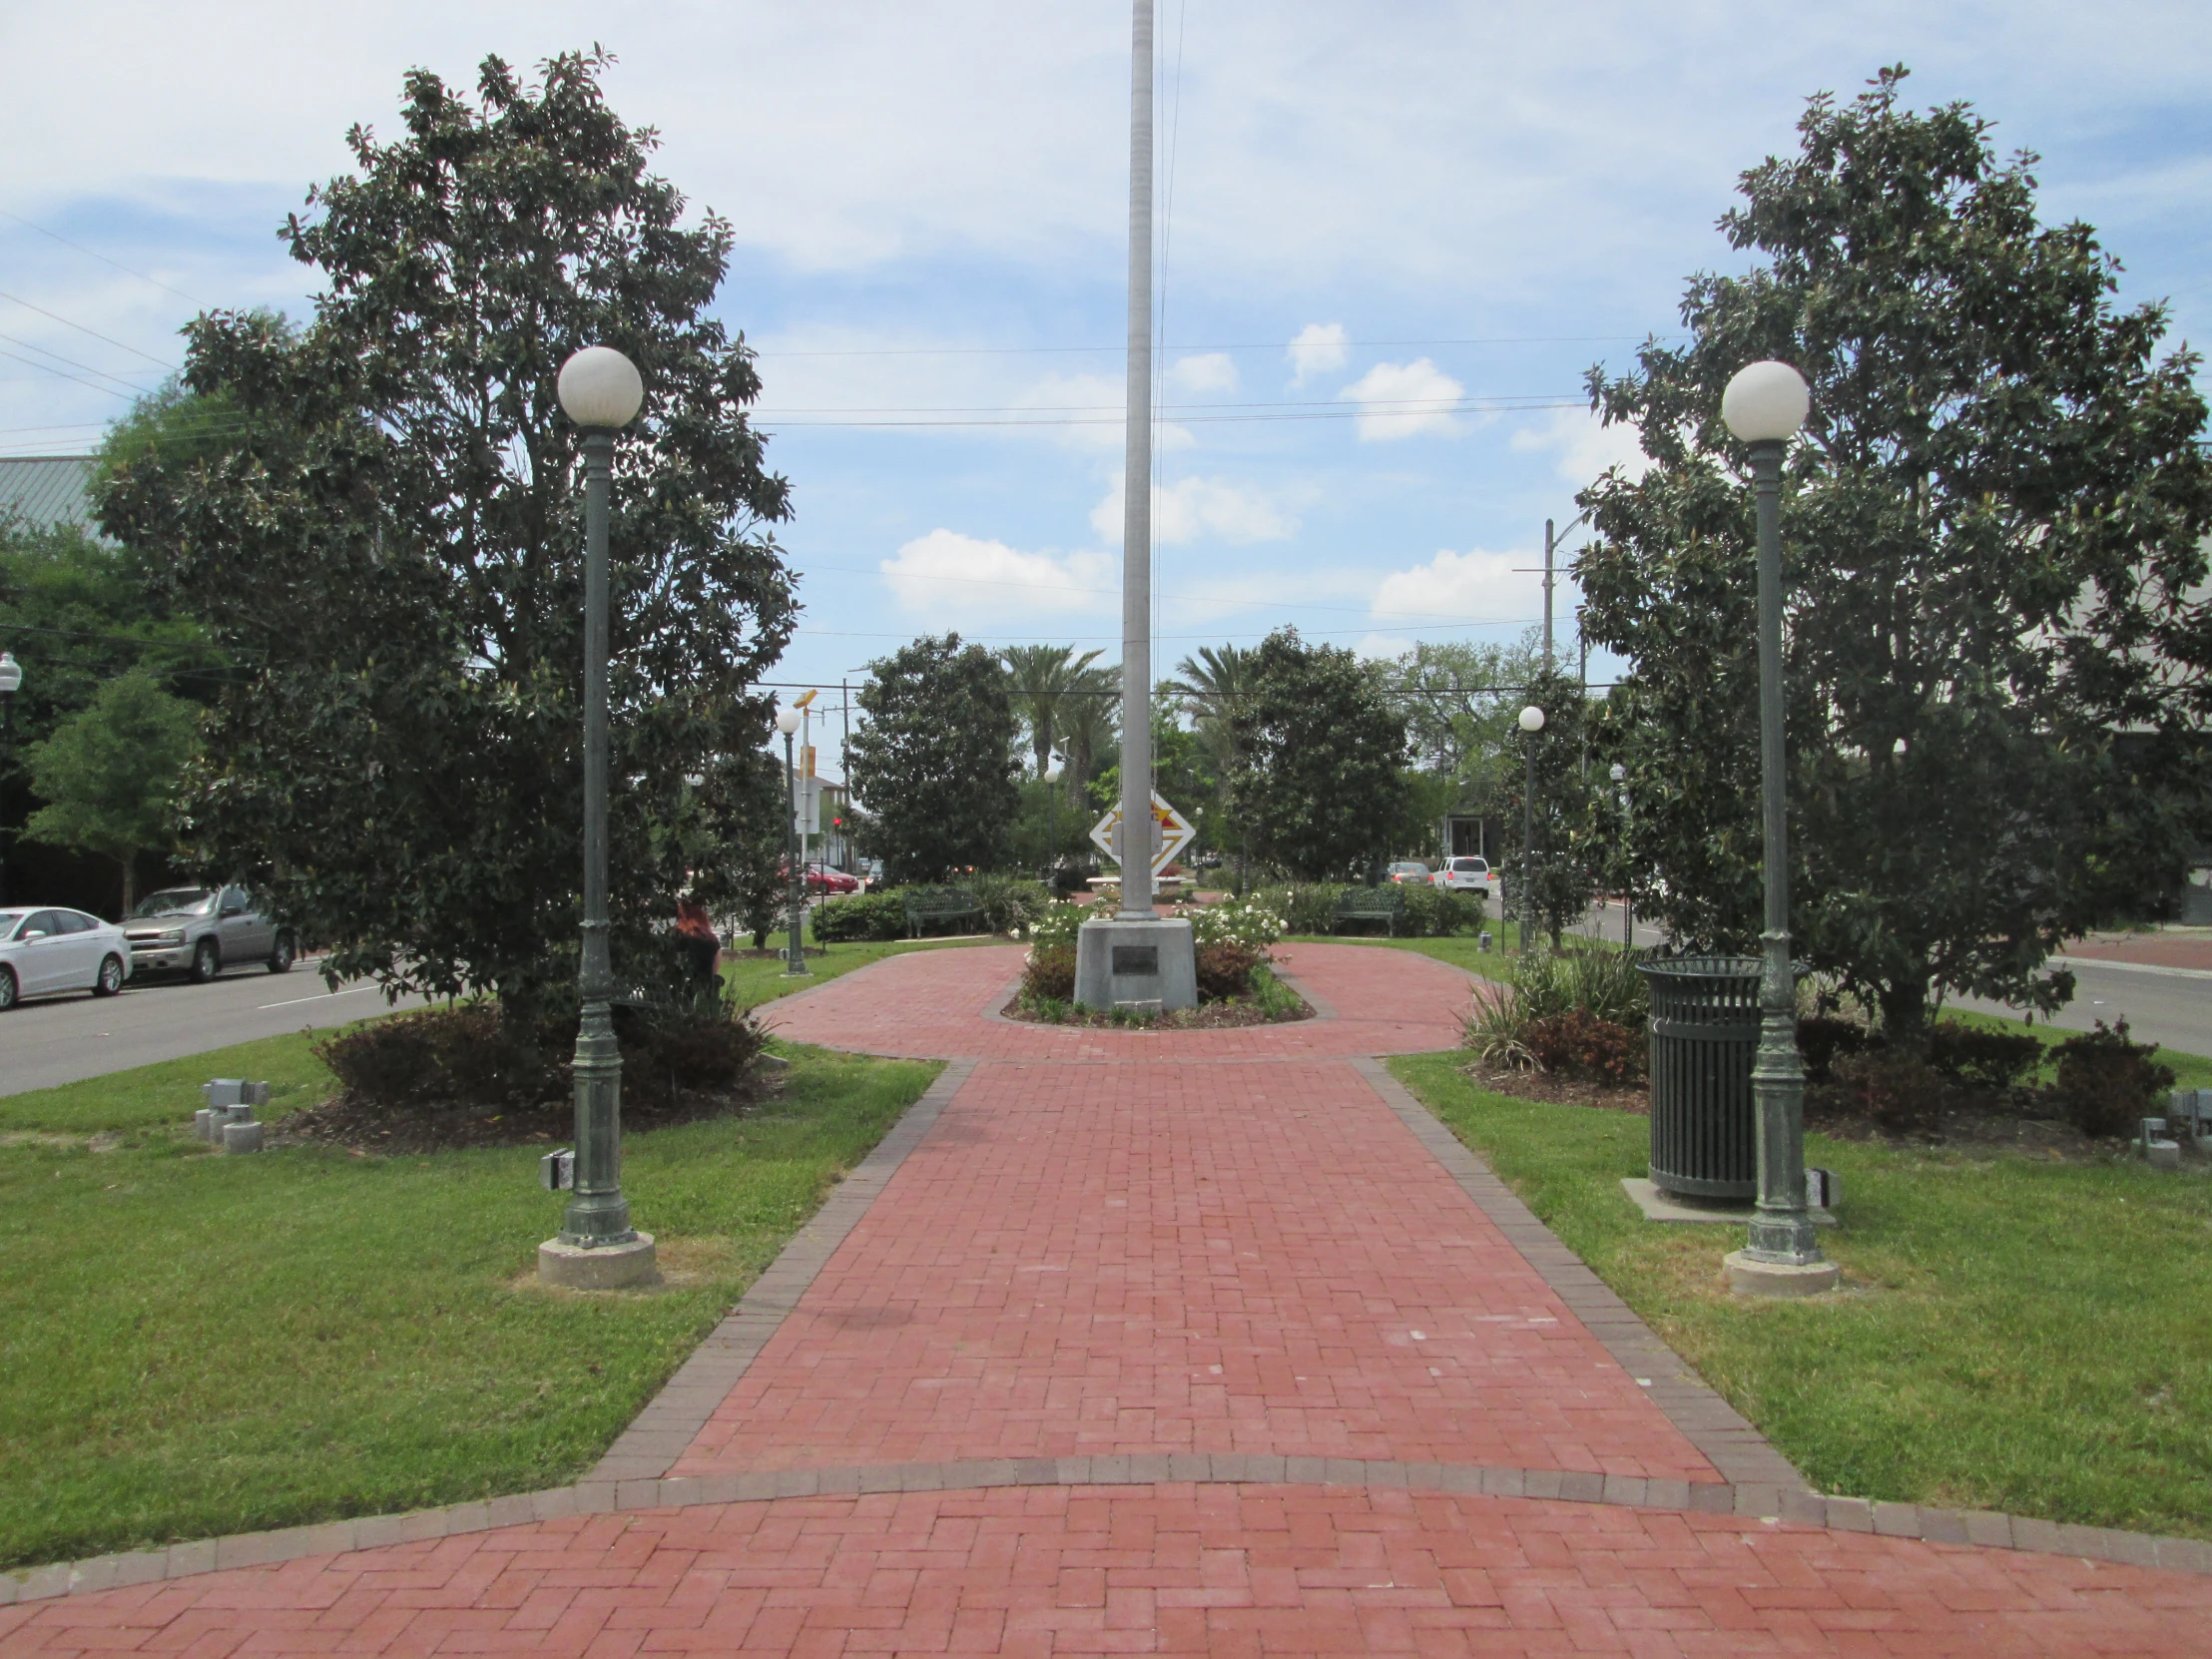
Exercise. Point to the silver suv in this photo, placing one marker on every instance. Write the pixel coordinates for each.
(201, 932)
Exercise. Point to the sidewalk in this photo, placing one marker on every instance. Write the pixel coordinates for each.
(1188, 1341)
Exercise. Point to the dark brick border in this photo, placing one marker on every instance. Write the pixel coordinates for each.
(1751, 1502)
(648, 1447)
(1738, 1450)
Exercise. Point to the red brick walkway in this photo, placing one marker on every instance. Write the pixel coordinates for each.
(1111, 1244)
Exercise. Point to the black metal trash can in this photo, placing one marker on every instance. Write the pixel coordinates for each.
(1704, 1038)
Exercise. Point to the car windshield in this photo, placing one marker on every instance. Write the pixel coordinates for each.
(1466, 865)
(177, 902)
(10, 920)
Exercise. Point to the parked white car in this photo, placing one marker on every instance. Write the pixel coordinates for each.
(1465, 874)
(43, 952)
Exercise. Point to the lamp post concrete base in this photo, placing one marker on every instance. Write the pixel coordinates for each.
(1748, 1276)
(1151, 964)
(621, 1266)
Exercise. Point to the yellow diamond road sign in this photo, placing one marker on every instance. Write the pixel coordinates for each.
(1171, 834)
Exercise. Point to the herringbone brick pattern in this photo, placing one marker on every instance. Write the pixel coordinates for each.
(1219, 1571)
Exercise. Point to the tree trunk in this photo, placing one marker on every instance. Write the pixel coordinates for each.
(130, 882)
(1905, 1008)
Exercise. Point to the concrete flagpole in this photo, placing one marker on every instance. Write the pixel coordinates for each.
(1136, 513)
(1137, 960)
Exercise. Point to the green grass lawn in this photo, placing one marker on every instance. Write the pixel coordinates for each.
(193, 1344)
(2014, 1333)
(1461, 950)
(754, 981)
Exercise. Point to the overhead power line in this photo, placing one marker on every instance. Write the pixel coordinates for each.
(107, 339)
(102, 257)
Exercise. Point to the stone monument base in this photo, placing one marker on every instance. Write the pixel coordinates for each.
(619, 1266)
(1153, 965)
(1750, 1277)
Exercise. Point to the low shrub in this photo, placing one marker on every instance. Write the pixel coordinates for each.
(1601, 982)
(1993, 1059)
(1431, 912)
(1580, 1045)
(1049, 974)
(473, 1055)
(858, 918)
(1011, 903)
(1244, 923)
(1898, 1089)
(1225, 971)
(2107, 1083)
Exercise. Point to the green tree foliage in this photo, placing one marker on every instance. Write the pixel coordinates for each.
(1992, 527)
(1090, 728)
(110, 773)
(1320, 756)
(1560, 848)
(933, 758)
(394, 546)
(1043, 679)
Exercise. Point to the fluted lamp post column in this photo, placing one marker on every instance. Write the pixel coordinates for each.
(11, 681)
(1764, 405)
(794, 958)
(597, 1247)
(1531, 723)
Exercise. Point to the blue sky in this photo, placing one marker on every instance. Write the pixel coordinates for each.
(1469, 202)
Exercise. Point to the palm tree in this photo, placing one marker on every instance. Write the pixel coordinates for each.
(1043, 679)
(1040, 677)
(1214, 685)
(1089, 721)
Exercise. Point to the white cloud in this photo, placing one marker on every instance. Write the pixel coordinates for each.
(1405, 400)
(1193, 508)
(1207, 372)
(1585, 448)
(1474, 585)
(1318, 348)
(947, 574)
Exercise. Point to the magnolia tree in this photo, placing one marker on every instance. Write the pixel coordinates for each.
(1992, 525)
(389, 542)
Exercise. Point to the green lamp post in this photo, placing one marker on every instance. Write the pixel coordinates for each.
(1531, 724)
(1763, 406)
(11, 681)
(597, 1247)
(795, 959)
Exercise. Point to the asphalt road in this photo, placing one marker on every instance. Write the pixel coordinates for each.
(63, 1039)
(2170, 1006)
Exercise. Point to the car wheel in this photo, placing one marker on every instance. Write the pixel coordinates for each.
(110, 982)
(206, 963)
(281, 958)
(7, 990)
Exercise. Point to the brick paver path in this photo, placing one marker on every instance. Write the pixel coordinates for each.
(1116, 1244)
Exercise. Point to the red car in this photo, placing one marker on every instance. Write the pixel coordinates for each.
(821, 878)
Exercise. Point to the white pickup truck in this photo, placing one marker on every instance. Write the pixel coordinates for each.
(201, 932)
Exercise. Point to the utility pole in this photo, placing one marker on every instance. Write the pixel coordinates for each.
(1550, 543)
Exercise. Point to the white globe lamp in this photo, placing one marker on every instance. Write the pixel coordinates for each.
(601, 388)
(1532, 718)
(1765, 402)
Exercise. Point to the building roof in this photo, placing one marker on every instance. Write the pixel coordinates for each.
(40, 491)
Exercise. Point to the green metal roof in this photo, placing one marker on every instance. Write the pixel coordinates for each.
(39, 492)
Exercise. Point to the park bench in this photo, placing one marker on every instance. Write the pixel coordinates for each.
(936, 905)
(1384, 905)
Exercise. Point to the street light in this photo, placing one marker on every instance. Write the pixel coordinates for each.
(787, 721)
(11, 680)
(1763, 406)
(1531, 723)
(1628, 897)
(597, 1247)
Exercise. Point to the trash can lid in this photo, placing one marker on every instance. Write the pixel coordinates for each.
(1700, 967)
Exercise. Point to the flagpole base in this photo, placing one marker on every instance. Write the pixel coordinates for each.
(1129, 962)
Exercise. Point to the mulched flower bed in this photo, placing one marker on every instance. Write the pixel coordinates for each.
(1555, 1088)
(363, 1128)
(1207, 1016)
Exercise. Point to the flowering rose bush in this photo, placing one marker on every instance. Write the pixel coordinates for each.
(1243, 922)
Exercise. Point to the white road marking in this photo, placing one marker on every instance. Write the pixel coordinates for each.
(295, 1001)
